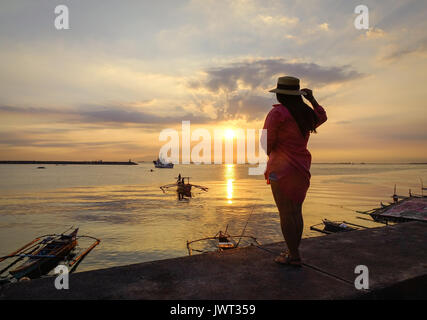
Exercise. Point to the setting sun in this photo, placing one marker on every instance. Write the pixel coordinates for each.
(229, 134)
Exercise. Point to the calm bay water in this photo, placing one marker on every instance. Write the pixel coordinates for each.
(124, 207)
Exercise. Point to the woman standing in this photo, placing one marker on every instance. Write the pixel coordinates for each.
(289, 125)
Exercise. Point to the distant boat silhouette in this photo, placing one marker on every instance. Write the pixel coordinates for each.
(161, 164)
(41, 168)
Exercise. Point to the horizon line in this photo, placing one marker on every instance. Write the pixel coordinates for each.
(143, 161)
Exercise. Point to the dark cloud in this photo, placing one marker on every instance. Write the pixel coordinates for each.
(262, 74)
(29, 139)
(128, 115)
(113, 115)
(31, 110)
(257, 75)
(249, 107)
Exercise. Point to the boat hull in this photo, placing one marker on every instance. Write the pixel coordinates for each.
(36, 267)
(336, 227)
(164, 166)
(159, 164)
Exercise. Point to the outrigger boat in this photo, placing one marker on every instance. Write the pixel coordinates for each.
(223, 241)
(44, 253)
(183, 187)
(335, 226)
(402, 209)
(413, 208)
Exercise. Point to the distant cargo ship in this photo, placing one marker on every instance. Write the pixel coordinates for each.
(161, 164)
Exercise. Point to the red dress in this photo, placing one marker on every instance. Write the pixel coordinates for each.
(289, 159)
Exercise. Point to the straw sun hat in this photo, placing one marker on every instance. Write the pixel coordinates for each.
(288, 85)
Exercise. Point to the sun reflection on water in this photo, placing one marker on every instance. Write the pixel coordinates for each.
(229, 176)
(230, 190)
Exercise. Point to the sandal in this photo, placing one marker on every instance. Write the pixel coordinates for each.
(284, 253)
(285, 259)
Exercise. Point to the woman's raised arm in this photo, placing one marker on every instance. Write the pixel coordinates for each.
(318, 109)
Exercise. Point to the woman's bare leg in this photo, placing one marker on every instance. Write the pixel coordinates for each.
(291, 220)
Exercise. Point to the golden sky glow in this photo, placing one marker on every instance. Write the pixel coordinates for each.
(106, 88)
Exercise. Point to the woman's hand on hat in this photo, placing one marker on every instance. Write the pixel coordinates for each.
(308, 94)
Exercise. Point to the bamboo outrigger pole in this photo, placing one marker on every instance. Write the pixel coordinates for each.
(244, 229)
(76, 261)
(20, 257)
(19, 250)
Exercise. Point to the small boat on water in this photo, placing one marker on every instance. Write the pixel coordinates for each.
(413, 208)
(222, 241)
(41, 168)
(403, 208)
(335, 226)
(45, 253)
(183, 187)
(160, 163)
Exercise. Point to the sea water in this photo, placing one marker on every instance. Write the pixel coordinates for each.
(137, 222)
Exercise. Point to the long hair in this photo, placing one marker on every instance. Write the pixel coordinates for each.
(300, 111)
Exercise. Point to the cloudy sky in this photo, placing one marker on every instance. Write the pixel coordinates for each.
(125, 70)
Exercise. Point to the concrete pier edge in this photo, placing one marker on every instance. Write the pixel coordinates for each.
(396, 257)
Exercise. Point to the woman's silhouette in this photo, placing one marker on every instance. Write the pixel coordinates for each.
(289, 125)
